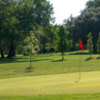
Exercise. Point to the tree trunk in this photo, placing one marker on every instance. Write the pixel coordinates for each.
(11, 51)
(90, 55)
(30, 61)
(2, 53)
(94, 48)
(62, 56)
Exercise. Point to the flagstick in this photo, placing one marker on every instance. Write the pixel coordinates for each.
(80, 66)
(79, 75)
(82, 47)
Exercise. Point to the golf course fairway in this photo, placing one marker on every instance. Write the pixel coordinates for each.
(51, 84)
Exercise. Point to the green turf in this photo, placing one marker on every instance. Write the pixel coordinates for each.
(45, 64)
(50, 79)
(51, 84)
(55, 97)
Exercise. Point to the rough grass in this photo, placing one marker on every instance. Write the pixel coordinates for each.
(47, 64)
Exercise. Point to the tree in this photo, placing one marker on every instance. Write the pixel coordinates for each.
(87, 21)
(90, 44)
(50, 36)
(3, 14)
(98, 44)
(79, 27)
(1, 50)
(18, 18)
(30, 45)
(46, 36)
(62, 45)
(93, 3)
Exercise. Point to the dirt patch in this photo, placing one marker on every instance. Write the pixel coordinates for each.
(29, 69)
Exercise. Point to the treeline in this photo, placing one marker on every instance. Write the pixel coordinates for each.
(18, 18)
(25, 26)
(87, 21)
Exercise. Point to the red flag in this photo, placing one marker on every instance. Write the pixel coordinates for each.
(81, 46)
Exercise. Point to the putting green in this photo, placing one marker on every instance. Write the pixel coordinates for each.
(51, 84)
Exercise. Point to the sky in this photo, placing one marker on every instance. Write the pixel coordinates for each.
(64, 8)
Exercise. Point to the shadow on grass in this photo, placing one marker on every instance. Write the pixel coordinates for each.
(58, 60)
(3, 61)
(90, 58)
(98, 58)
(81, 53)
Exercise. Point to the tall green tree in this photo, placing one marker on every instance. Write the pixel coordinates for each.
(46, 36)
(98, 44)
(3, 14)
(50, 36)
(18, 18)
(62, 45)
(90, 44)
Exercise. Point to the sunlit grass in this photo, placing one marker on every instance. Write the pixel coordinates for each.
(46, 64)
(51, 79)
(51, 84)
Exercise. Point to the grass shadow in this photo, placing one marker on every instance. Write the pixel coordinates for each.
(58, 60)
(90, 58)
(98, 58)
(81, 53)
(5, 61)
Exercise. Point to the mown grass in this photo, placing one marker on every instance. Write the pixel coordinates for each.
(51, 84)
(55, 97)
(45, 64)
(51, 79)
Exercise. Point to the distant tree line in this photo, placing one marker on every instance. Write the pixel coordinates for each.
(25, 27)
(87, 21)
(18, 18)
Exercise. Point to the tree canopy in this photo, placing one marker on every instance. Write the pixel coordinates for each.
(18, 18)
(87, 21)
(62, 45)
